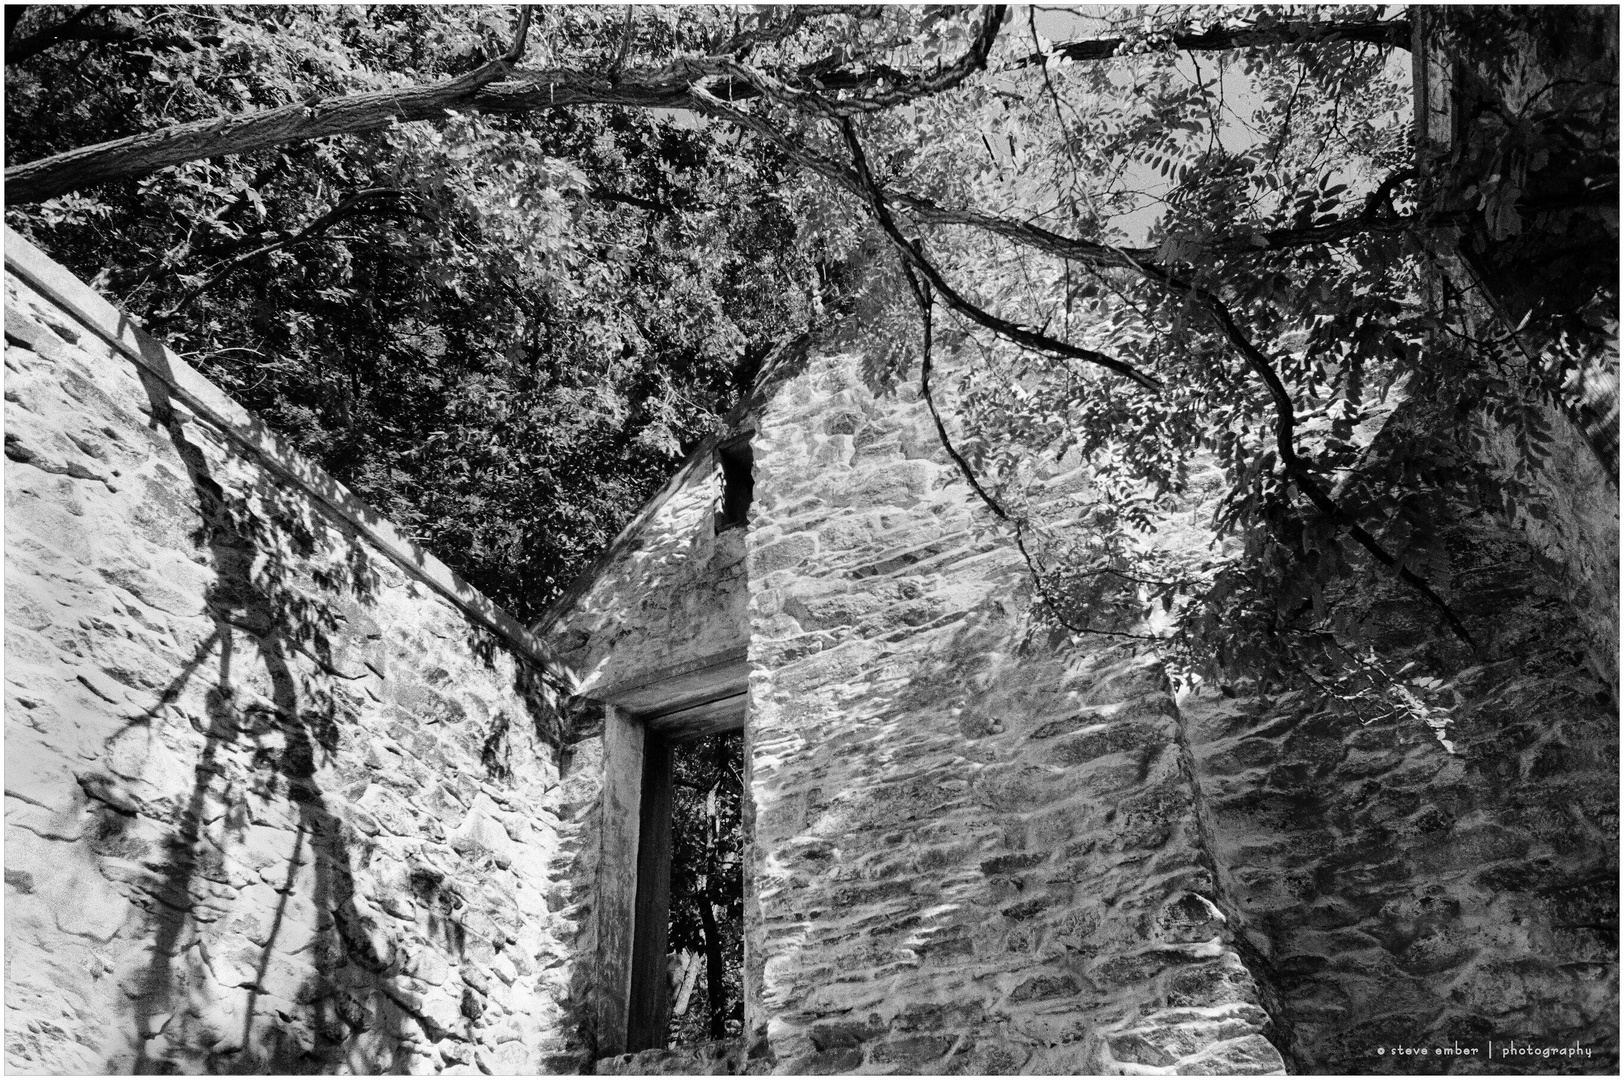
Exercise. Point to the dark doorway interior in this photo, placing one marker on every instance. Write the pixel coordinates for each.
(706, 942)
(688, 966)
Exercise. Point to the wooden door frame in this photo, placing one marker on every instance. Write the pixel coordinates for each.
(634, 866)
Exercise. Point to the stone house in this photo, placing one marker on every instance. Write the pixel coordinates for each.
(977, 852)
(283, 794)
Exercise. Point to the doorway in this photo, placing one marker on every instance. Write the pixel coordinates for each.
(670, 876)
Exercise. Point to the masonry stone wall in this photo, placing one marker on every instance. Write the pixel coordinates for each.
(272, 804)
(275, 804)
(1451, 888)
(671, 596)
(668, 597)
(1571, 522)
(973, 853)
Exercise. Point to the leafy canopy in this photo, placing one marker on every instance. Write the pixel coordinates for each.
(1201, 253)
(499, 330)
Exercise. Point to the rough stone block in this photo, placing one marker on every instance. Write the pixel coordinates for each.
(1250, 1056)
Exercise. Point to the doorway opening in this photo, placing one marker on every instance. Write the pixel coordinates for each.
(671, 882)
(705, 946)
(687, 970)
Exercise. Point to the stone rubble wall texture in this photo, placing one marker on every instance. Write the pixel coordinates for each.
(675, 596)
(672, 598)
(1572, 525)
(1400, 893)
(973, 854)
(271, 804)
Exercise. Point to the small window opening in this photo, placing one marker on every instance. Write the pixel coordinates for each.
(738, 484)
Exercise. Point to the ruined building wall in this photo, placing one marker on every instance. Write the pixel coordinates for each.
(668, 595)
(273, 803)
(978, 853)
(664, 604)
(1566, 473)
(1411, 887)
(973, 852)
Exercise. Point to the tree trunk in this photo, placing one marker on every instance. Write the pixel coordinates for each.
(715, 972)
(715, 975)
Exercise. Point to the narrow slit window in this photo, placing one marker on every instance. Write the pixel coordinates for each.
(738, 484)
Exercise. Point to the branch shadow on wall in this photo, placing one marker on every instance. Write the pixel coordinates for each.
(229, 986)
(540, 690)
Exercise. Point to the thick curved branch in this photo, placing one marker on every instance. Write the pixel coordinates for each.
(496, 87)
(74, 28)
(1383, 195)
(520, 34)
(652, 205)
(140, 155)
(1003, 327)
(1395, 34)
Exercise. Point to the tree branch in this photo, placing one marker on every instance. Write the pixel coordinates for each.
(652, 205)
(684, 83)
(1395, 34)
(520, 33)
(1286, 444)
(139, 155)
(1383, 195)
(73, 28)
(922, 295)
(1003, 327)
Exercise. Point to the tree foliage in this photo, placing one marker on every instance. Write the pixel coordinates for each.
(499, 330)
(707, 883)
(1186, 238)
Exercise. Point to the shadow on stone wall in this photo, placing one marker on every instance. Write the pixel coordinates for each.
(542, 694)
(1442, 875)
(256, 542)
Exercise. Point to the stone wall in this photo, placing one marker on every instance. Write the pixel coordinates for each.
(1443, 889)
(276, 803)
(662, 613)
(272, 803)
(669, 595)
(1571, 523)
(974, 853)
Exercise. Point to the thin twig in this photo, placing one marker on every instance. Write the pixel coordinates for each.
(353, 204)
